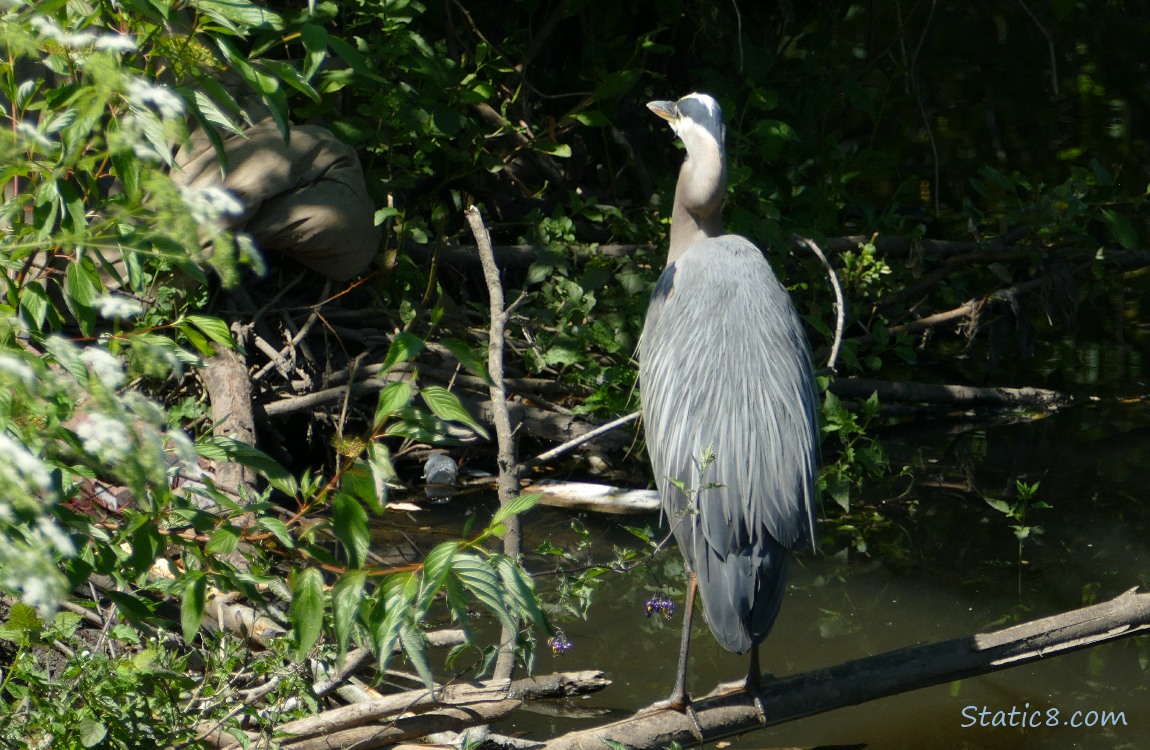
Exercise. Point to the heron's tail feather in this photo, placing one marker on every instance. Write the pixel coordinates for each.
(742, 593)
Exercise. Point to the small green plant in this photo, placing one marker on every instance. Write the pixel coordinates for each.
(863, 272)
(1018, 512)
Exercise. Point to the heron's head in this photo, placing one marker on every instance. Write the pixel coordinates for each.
(696, 119)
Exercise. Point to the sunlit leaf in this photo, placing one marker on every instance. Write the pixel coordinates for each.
(222, 541)
(403, 349)
(467, 357)
(192, 604)
(306, 611)
(222, 448)
(346, 596)
(349, 523)
(521, 591)
(445, 405)
(392, 397)
(382, 474)
(214, 328)
(521, 504)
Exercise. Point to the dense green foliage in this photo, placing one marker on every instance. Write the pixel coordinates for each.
(926, 120)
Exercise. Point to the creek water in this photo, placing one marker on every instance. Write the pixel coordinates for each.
(940, 562)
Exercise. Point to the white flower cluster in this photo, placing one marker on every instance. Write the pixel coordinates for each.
(117, 306)
(145, 95)
(107, 368)
(21, 471)
(185, 460)
(32, 136)
(105, 437)
(209, 205)
(18, 370)
(28, 566)
(111, 42)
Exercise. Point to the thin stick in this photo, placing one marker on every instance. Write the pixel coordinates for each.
(509, 468)
(574, 443)
(840, 303)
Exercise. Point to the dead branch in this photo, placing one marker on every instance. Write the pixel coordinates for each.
(958, 395)
(410, 727)
(840, 302)
(575, 442)
(463, 695)
(509, 468)
(600, 498)
(230, 394)
(724, 714)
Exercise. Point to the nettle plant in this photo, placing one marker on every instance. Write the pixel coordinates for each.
(106, 267)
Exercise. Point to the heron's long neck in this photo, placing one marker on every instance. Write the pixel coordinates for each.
(698, 200)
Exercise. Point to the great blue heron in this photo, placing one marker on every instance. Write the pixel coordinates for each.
(724, 369)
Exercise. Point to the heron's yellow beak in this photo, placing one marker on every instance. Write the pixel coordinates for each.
(669, 111)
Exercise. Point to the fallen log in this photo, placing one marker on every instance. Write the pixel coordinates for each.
(731, 711)
(449, 718)
(452, 698)
(959, 395)
(599, 498)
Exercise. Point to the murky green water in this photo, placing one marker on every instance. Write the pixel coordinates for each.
(943, 564)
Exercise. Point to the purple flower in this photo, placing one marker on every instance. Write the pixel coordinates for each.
(661, 604)
(559, 643)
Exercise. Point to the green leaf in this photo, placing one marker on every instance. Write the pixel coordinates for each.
(315, 42)
(1000, 505)
(346, 597)
(467, 357)
(521, 504)
(192, 605)
(349, 522)
(392, 398)
(444, 404)
(91, 732)
(478, 577)
(221, 448)
(415, 646)
(238, 16)
(80, 292)
(403, 349)
(392, 605)
(1122, 229)
(292, 77)
(560, 150)
(306, 611)
(435, 568)
(214, 328)
(521, 592)
(223, 541)
(382, 474)
(278, 529)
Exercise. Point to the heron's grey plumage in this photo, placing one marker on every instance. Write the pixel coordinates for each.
(724, 364)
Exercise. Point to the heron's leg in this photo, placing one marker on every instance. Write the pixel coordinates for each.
(754, 684)
(678, 699)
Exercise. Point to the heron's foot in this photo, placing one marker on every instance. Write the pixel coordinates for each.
(753, 685)
(760, 710)
(680, 703)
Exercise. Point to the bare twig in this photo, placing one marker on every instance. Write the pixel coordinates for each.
(509, 468)
(1049, 47)
(574, 443)
(840, 303)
